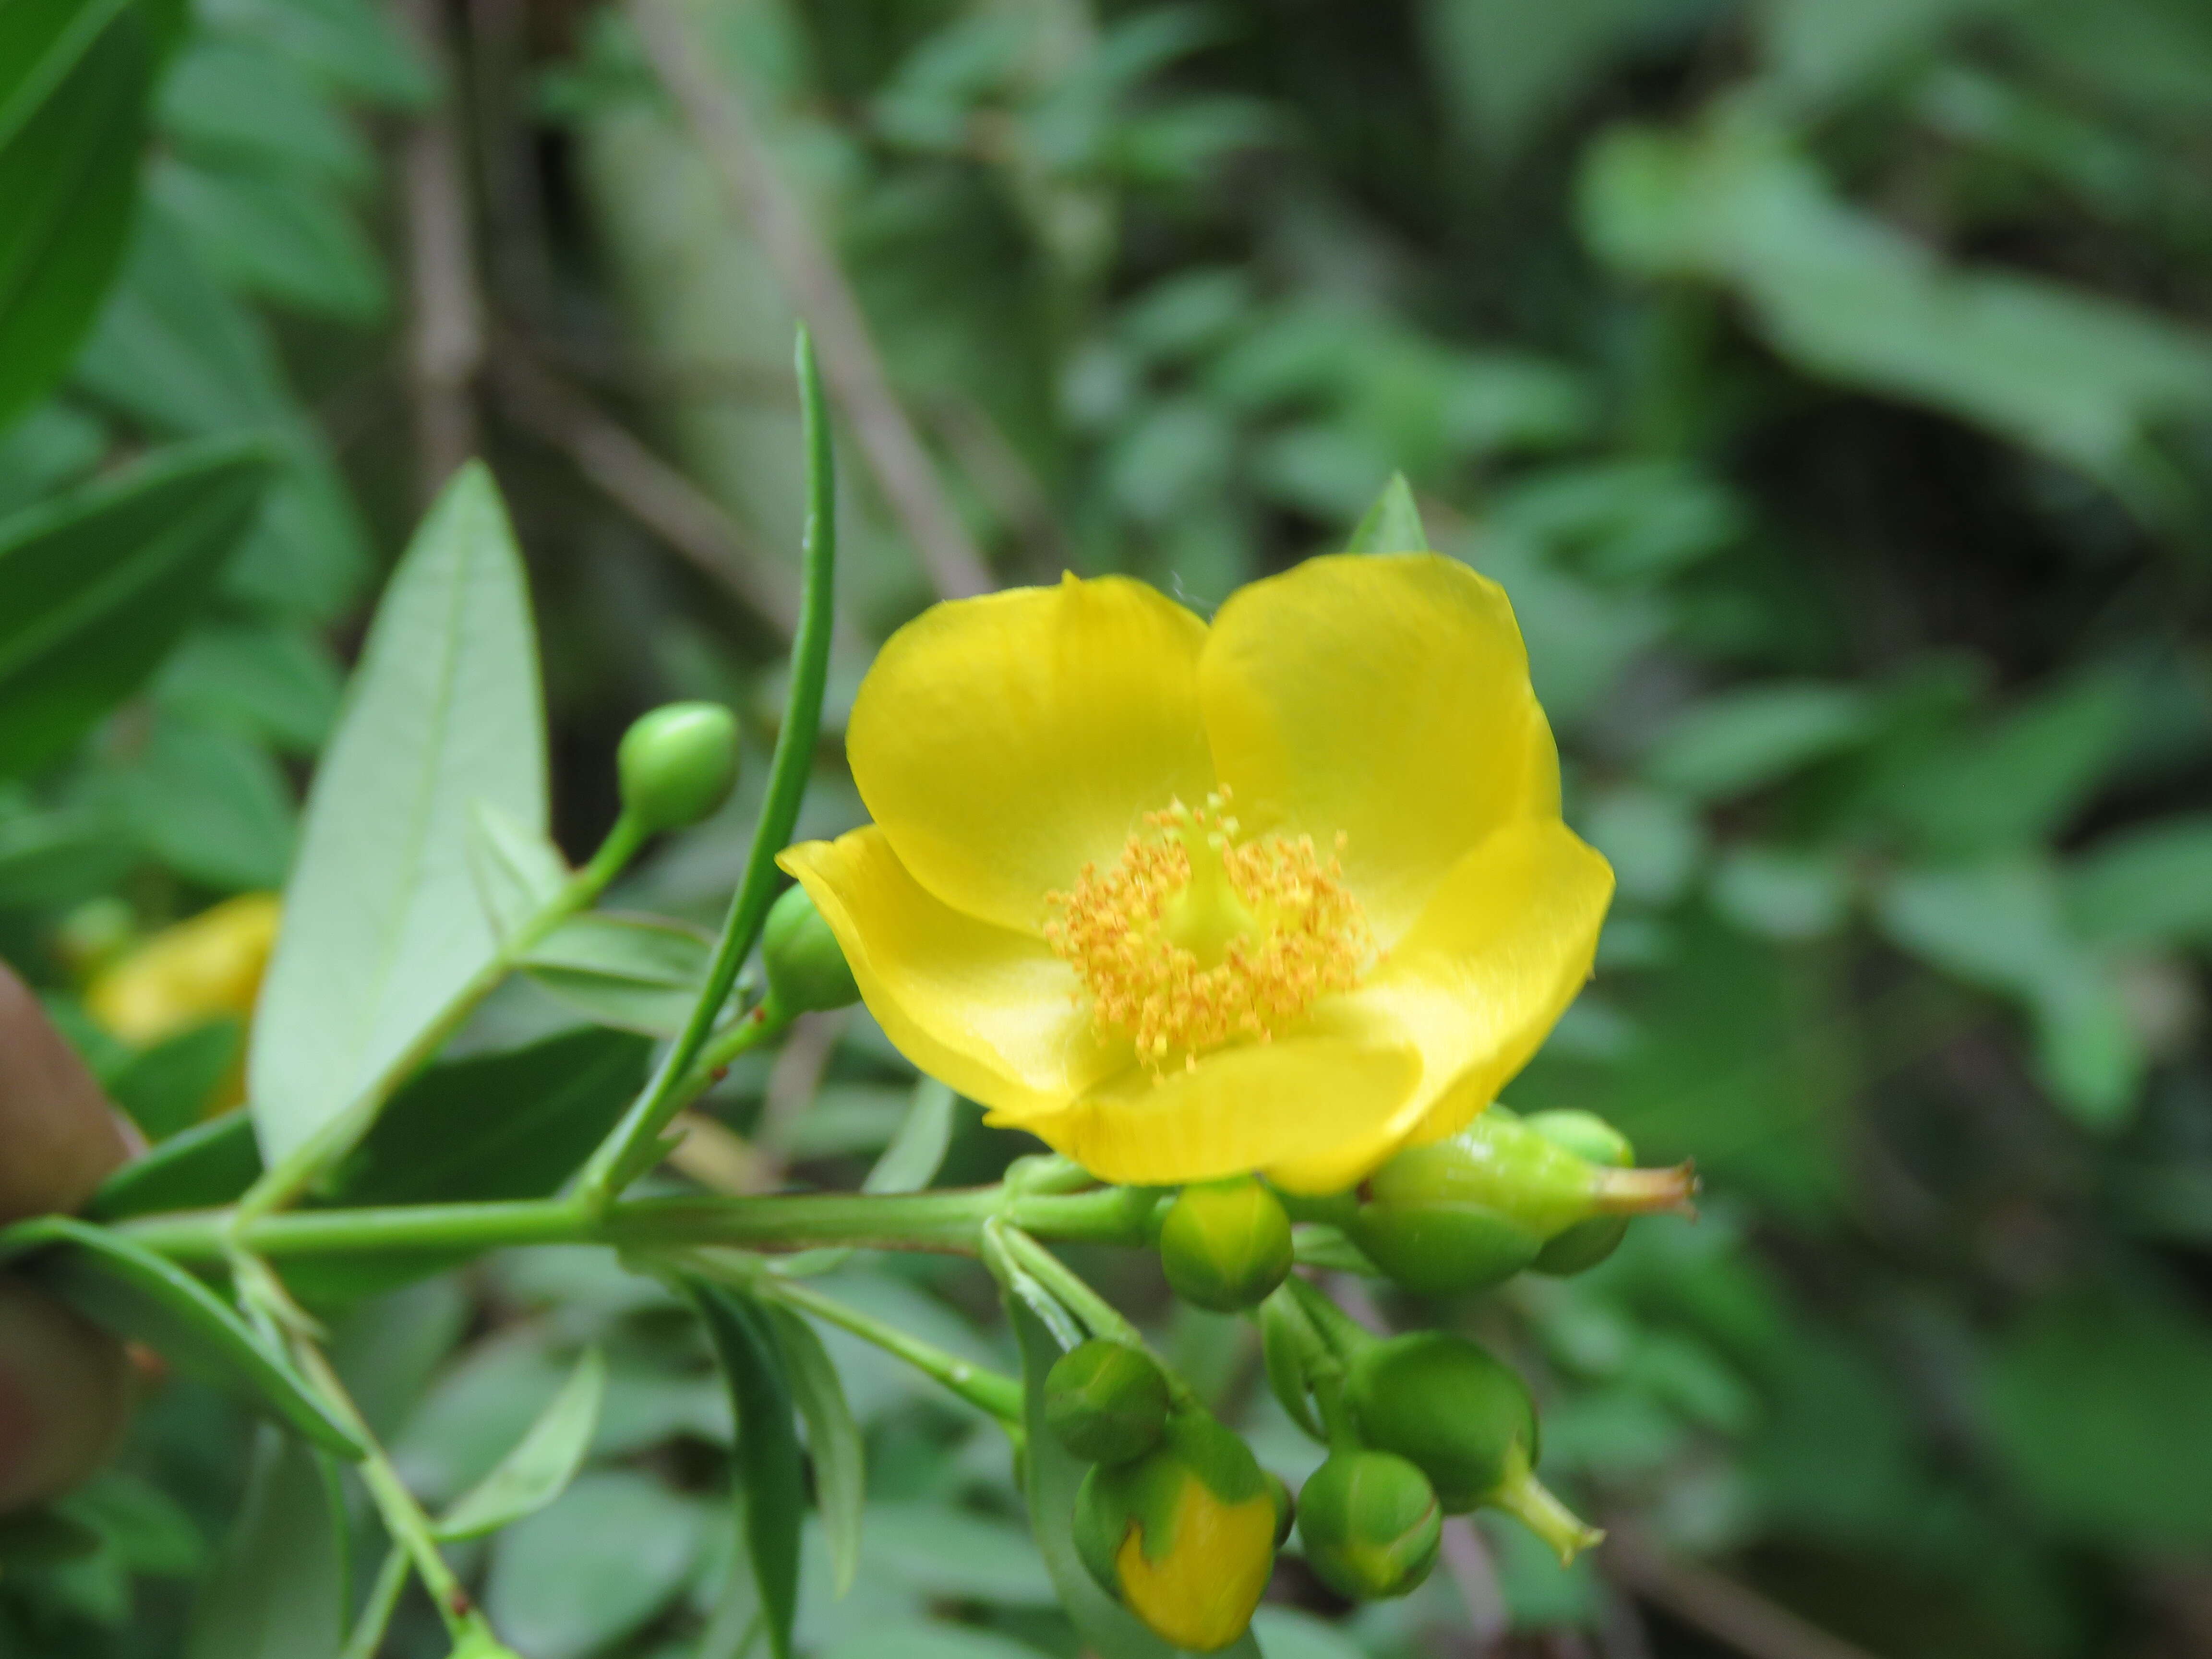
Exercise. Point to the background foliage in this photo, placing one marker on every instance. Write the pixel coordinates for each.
(1829, 384)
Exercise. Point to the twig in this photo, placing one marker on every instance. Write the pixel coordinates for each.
(445, 334)
(1717, 1604)
(715, 111)
(646, 487)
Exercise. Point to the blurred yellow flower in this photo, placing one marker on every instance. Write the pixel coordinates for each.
(205, 968)
(1283, 894)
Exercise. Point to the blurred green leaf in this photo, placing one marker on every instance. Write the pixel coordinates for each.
(916, 1153)
(211, 804)
(96, 586)
(75, 79)
(1754, 735)
(833, 1440)
(1848, 298)
(276, 235)
(196, 1169)
(769, 1480)
(382, 924)
(237, 95)
(279, 1588)
(556, 1590)
(166, 1088)
(2100, 1407)
(635, 973)
(141, 1295)
(543, 1462)
(276, 683)
(2150, 885)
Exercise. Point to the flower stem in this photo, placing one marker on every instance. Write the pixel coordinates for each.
(1536, 1507)
(633, 1146)
(383, 1599)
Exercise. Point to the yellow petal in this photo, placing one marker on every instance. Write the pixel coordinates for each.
(1201, 1594)
(1385, 696)
(989, 1011)
(1002, 742)
(1249, 1108)
(1478, 983)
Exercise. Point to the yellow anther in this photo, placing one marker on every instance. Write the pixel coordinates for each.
(1195, 939)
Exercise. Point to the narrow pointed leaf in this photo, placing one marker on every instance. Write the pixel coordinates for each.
(140, 1295)
(1393, 524)
(383, 927)
(910, 1162)
(634, 973)
(543, 1463)
(769, 1474)
(833, 1439)
(97, 586)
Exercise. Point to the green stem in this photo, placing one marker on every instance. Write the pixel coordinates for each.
(383, 1600)
(281, 1185)
(1538, 1508)
(634, 1146)
(403, 1516)
(1321, 1364)
(987, 1391)
(946, 1221)
(1056, 1276)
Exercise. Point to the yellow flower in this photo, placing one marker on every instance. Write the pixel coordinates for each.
(1197, 1584)
(199, 969)
(1282, 894)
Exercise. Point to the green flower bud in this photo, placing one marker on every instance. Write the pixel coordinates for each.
(807, 966)
(1370, 1523)
(1587, 1135)
(1225, 1245)
(1184, 1537)
(678, 763)
(1107, 1403)
(1468, 1423)
(1469, 1211)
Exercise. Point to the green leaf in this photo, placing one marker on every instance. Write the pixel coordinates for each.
(96, 586)
(382, 926)
(75, 79)
(770, 1479)
(201, 1168)
(1749, 739)
(833, 1439)
(276, 234)
(52, 860)
(212, 806)
(2150, 885)
(278, 684)
(503, 1126)
(517, 869)
(138, 1294)
(576, 1577)
(910, 1162)
(166, 1088)
(279, 1588)
(2100, 1409)
(1050, 1477)
(543, 1463)
(635, 973)
(1393, 524)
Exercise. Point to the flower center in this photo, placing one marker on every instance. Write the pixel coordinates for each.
(1197, 937)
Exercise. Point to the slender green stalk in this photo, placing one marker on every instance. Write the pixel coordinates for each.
(635, 1145)
(987, 1391)
(948, 1222)
(403, 1516)
(383, 1600)
(1056, 1276)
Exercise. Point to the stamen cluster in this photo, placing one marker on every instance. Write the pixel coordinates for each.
(1276, 927)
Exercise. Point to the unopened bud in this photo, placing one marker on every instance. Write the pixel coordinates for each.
(1225, 1245)
(676, 764)
(1184, 1537)
(1586, 1243)
(1470, 1211)
(1106, 1402)
(807, 966)
(1468, 1423)
(1371, 1522)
